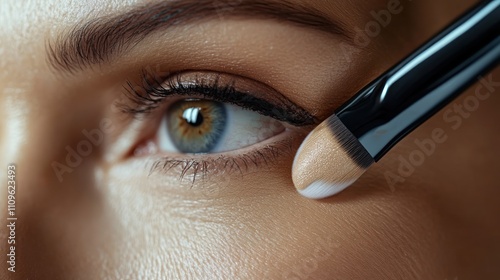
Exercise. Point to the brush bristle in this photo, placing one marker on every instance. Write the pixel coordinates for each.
(329, 160)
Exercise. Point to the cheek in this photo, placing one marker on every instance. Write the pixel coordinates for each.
(260, 228)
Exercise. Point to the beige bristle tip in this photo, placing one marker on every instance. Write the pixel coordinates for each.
(322, 167)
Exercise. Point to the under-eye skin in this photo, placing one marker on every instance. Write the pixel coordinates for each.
(191, 168)
(213, 123)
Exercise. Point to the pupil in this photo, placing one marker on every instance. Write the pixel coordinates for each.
(193, 116)
(196, 126)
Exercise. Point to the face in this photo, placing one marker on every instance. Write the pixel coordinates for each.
(155, 139)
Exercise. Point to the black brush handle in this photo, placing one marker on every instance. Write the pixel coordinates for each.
(407, 95)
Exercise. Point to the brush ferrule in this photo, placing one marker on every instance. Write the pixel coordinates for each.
(404, 97)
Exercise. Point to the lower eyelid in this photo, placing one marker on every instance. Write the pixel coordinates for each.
(191, 168)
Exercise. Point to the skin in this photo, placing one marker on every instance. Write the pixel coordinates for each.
(109, 220)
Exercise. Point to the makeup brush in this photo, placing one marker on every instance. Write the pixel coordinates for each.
(365, 128)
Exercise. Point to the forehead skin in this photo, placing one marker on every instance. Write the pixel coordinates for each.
(441, 223)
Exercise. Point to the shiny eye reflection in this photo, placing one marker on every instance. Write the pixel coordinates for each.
(198, 126)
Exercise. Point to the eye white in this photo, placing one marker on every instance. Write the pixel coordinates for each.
(243, 128)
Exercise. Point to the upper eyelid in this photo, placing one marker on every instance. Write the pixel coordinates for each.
(257, 97)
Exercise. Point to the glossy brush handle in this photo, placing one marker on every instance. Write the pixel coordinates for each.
(411, 92)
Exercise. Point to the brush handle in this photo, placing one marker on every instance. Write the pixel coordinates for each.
(407, 95)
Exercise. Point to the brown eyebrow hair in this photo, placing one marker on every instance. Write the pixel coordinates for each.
(99, 40)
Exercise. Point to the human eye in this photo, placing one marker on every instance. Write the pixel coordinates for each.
(199, 126)
(205, 122)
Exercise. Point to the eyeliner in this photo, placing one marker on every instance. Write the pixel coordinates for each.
(216, 87)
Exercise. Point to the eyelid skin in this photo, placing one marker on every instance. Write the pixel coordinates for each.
(226, 88)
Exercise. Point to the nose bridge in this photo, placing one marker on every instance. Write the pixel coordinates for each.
(13, 123)
(40, 118)
(49, 138)
(37, 132)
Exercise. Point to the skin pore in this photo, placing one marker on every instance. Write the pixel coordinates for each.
(111, 218)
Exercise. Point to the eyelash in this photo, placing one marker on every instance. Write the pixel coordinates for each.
(201, 168)
(151, 94)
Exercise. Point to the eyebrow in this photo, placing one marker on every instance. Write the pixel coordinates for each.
(101, 39)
